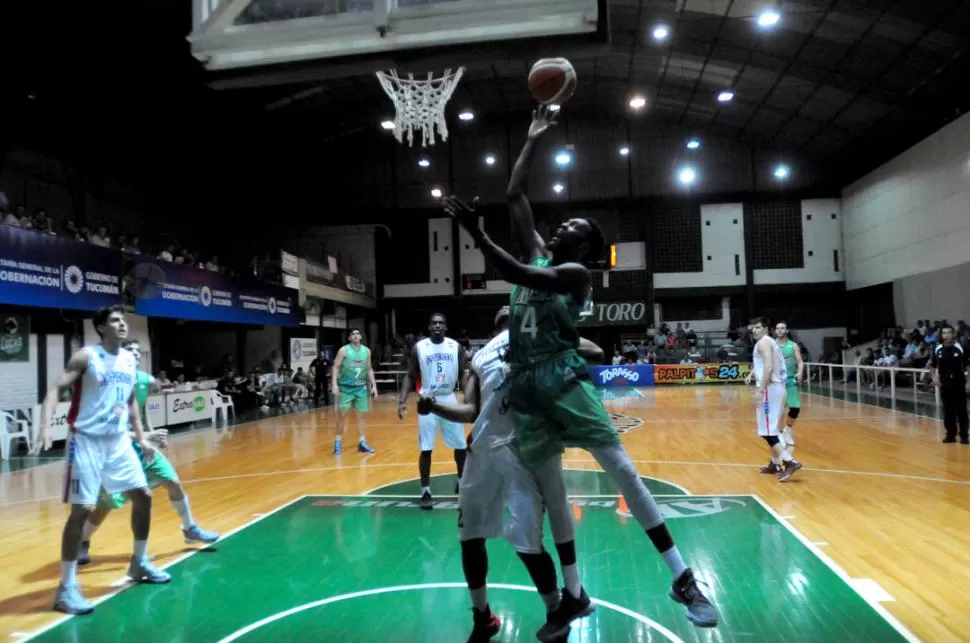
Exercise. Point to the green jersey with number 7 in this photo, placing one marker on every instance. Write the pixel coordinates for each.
(541, 324)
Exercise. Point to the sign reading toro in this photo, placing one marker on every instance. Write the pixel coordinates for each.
(615, 313)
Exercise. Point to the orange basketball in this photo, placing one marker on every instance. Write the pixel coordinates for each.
(552, 80)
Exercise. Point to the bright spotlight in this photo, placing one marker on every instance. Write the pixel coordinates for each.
(466, 115)
(424, 163)
(769, 18)
(624, 150)
(563, 158)
(558, 188)
(436, 193)
(638, 102)
(693, 144)
(725, 96)
(660, 32)
(782, 172)
(554, 107)
(387, 124)
(687, 175)
(489, 160)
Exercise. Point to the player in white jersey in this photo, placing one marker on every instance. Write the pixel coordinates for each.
(99, 450)
(771, 376)
(497, 479)
(439, 361)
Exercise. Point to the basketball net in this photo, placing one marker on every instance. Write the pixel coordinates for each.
(420, 104)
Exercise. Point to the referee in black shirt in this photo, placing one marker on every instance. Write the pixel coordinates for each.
(949, 366)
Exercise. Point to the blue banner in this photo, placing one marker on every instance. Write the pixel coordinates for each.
(41, 270)
(165, 289)
(622, 375)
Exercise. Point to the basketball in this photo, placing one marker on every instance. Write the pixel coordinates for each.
(552, 80)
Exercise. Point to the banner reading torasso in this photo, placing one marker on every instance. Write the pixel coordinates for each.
(165, 289)
(699, 373)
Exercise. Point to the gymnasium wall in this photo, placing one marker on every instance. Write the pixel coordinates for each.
(911, 216)
(941, 294)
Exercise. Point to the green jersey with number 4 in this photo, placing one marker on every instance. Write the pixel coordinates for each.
(541, 324)
(353, 369)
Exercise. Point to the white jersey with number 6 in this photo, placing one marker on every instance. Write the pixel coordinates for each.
(439, 366)
(493, 427)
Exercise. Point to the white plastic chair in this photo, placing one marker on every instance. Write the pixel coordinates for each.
(7, 421)
(220, 402)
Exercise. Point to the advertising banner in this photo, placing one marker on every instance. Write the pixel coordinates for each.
(50, 272)
(700, 373)
(622, 375)
(15, 338)
(190, 406)
(615, 313)
(165, 289)
(302, 352)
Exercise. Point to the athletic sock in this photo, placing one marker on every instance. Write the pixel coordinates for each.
(479, 597)
(425, 490)
(675, 562)
(68, 572)
(785, 455)
(182, 509)
(141, 550)
(570, 576)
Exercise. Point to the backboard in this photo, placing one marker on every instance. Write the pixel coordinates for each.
(276, 35)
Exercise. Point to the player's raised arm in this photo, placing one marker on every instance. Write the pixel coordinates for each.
(591, 352)
(409, 378)
(565, 279)
(466, 412)
(72, 372)
(526, 241)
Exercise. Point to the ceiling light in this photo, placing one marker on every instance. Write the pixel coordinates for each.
(637, 102)
(387, 124)
(768, 18)
(489, 160)
(563, 158)
(782, 172)
(660, 32)
(436, 193)
(725, 96)
(466, 115)
(624, 150)
(424, 163)
(558, 188)
(693, 144)
(687, 175)
(554, 107)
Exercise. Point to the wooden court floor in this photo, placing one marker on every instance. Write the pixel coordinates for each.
(879, 494)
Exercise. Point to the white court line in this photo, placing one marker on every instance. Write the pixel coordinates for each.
(126, 585)
(841, 573)
(651, 624)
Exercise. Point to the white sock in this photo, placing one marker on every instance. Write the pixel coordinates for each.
(785, 455)
(68, 572)
(788, 436)
(776, 461)
(674, 562)
(182, 509)
(551, 600)
(141, 549)
(88, 530)
(570, 576)
(339, 439)
(480, 597)
(425, 490)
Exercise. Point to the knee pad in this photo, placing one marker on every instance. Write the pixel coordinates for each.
(772, 440)
(793, 413)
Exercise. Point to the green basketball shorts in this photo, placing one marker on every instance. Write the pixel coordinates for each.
(355, 396)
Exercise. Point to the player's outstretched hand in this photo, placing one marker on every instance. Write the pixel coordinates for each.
(148, 451)
(463, 213)
(543, 118)
(425, 404)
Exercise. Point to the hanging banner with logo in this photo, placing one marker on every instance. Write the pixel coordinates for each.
(15, 338)
(302, 352)
(165, 289)
(614, 313)
(50, 272)
(622, 375)
(700, 373)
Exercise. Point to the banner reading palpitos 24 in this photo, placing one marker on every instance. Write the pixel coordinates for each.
(699, 373)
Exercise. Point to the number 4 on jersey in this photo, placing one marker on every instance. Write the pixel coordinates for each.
(528, 324)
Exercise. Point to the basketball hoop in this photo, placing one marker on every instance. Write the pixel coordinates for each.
(420, 104)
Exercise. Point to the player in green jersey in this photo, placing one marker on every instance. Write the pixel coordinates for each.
(796, 372)
(159, 472)
(352, 378)
(553, 402)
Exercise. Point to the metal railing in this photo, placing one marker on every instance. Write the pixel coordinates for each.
(912, 384)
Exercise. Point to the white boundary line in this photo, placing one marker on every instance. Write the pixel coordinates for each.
(370, 492)
(841, 573)
(653, 625)
(112, 594)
